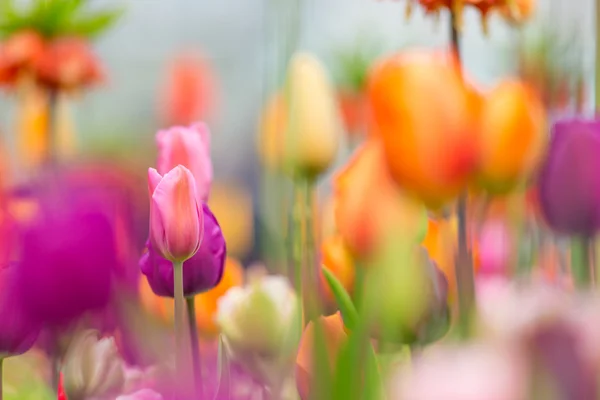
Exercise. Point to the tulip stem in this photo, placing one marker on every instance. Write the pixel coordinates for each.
(297, 240)
(191, 312)
(51, 133)
(181, 369)
(312, 292)
(582, 268)
(454, 34)
(1, 377)
(465, 280)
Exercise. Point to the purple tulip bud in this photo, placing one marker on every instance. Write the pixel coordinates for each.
(68, 258)
(200, 273)
(569, 186)
(18, 332)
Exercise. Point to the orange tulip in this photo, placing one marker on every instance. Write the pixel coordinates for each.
(206, 303)
(368, 205)
(337, 259)
(513, 136)
(440, 243)
(428, 119)
(335, 336)
(519, 10)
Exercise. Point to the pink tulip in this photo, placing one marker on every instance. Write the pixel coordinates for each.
(190, 147)
(175, 214)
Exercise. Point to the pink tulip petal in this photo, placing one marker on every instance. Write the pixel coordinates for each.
(153, 179)
(175, 207)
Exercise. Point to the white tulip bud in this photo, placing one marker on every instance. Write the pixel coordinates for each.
(92, 367)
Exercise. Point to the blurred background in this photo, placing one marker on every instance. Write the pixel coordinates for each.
(243, 46)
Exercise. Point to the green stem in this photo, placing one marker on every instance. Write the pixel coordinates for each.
(311, 272)
(1, 377)
(297, 239)
(197, 362)
(465, 280)
(581, 265)
(181, 369)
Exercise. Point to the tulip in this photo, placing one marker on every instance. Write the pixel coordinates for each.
(189, 147)
(270, 144)
(68, 64)
(335, 337)
(189, 91)
(92, 368)
(368, 204)
(518, 11)
(68, 257)
(260, 324)
(144, 394)
(494, 249)
(433, 157)
(336, 258)
(313, 125)
(513, 137)
(569, 185)
(18, 332)
(176, 217)
(201, 272)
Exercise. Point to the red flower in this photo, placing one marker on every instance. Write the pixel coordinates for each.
(68, 63)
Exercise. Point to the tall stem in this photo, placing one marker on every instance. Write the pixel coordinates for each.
(465, 281)
(311, 293)
(1, 377)
(581, 265)
(297, 239)
(191, 312)
(181, 365)
(52, 136)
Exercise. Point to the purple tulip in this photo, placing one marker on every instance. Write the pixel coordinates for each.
(569, 185)
(18, 332)
(68, 257)
(200, 273)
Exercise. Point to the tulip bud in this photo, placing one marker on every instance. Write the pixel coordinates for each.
(313, 128)
(201, 272)
(569, 186)
(513, 137)
(261, 325)
(175, 214)
(189, 147)
(92, 367)
(427, 117)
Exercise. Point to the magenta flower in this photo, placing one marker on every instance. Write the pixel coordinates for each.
(569, 186)
(175, 214)
(68, 257)
(200, 273)
(190, 147)
(18, 332)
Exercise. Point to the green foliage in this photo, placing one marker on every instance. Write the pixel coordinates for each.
(53, 18)
(352, 65)
(342, 298)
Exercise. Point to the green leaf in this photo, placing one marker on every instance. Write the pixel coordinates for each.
(93, 25)
(343, 299)
(223, 392)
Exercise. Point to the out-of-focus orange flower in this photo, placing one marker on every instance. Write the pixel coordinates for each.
(440, 243)
(337, 259)
(206, 303)
(271, 140)
(189, 91)
(428, 120)
(232, 206)
(368, 205)
(517, 11)
(513, 138)
(23, 49)
(33, 127)
(335, 336)
(68, 63)
(354, 109)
